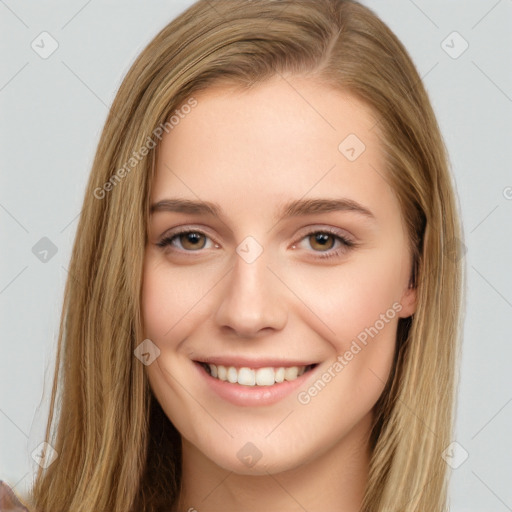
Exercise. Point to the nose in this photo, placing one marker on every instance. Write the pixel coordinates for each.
(252, 303)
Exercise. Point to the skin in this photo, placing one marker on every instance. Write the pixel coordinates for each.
(251, 152)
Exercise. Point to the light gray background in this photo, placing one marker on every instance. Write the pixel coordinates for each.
(52, 113)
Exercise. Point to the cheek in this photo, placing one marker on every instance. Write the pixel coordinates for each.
(358, 308)
(172, 299)
(362, 315)
(352, 297)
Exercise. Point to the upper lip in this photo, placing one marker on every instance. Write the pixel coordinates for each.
(241, 362)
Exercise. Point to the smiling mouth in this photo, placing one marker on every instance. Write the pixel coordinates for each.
(245, 376)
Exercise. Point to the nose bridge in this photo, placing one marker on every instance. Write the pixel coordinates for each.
(252, 299)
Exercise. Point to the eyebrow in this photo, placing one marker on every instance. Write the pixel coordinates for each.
(296, 208)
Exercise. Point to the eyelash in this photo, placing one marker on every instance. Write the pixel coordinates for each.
(331, 253)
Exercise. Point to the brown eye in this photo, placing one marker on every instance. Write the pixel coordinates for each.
(326, 244)
(320, 241)
(192, 240)
(185, 241)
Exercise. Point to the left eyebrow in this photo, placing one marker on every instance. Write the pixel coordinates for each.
(303, 207)
(296, 208)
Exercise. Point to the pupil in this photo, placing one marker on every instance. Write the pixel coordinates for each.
(193, 237)
(321, 238)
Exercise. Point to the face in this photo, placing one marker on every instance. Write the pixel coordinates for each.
(275, 305)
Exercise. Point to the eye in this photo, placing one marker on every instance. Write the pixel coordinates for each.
(324, 241)
(186, 240)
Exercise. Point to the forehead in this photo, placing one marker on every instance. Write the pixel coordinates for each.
(281, 139)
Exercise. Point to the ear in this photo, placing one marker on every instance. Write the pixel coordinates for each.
(408, 302)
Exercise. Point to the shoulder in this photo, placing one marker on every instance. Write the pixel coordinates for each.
(8, 500)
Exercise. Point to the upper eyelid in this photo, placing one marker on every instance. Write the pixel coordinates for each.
(314, 228)
(180, 230)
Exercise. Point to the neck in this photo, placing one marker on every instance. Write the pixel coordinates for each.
(334, 480)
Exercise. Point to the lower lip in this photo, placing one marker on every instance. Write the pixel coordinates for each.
(251, 396)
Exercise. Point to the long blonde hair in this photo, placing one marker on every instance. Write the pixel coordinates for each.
(117, 451)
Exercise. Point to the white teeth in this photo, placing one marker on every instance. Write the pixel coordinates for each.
(291, 373)
(232, 375)
(265, 377)
(256, 377)
(246, 377)
(221, 372)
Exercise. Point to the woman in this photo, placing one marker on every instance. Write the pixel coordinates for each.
(263, 307)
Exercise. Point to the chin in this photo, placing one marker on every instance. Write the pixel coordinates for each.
(272, 464)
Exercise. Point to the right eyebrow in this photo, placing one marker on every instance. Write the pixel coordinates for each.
(186, 206)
